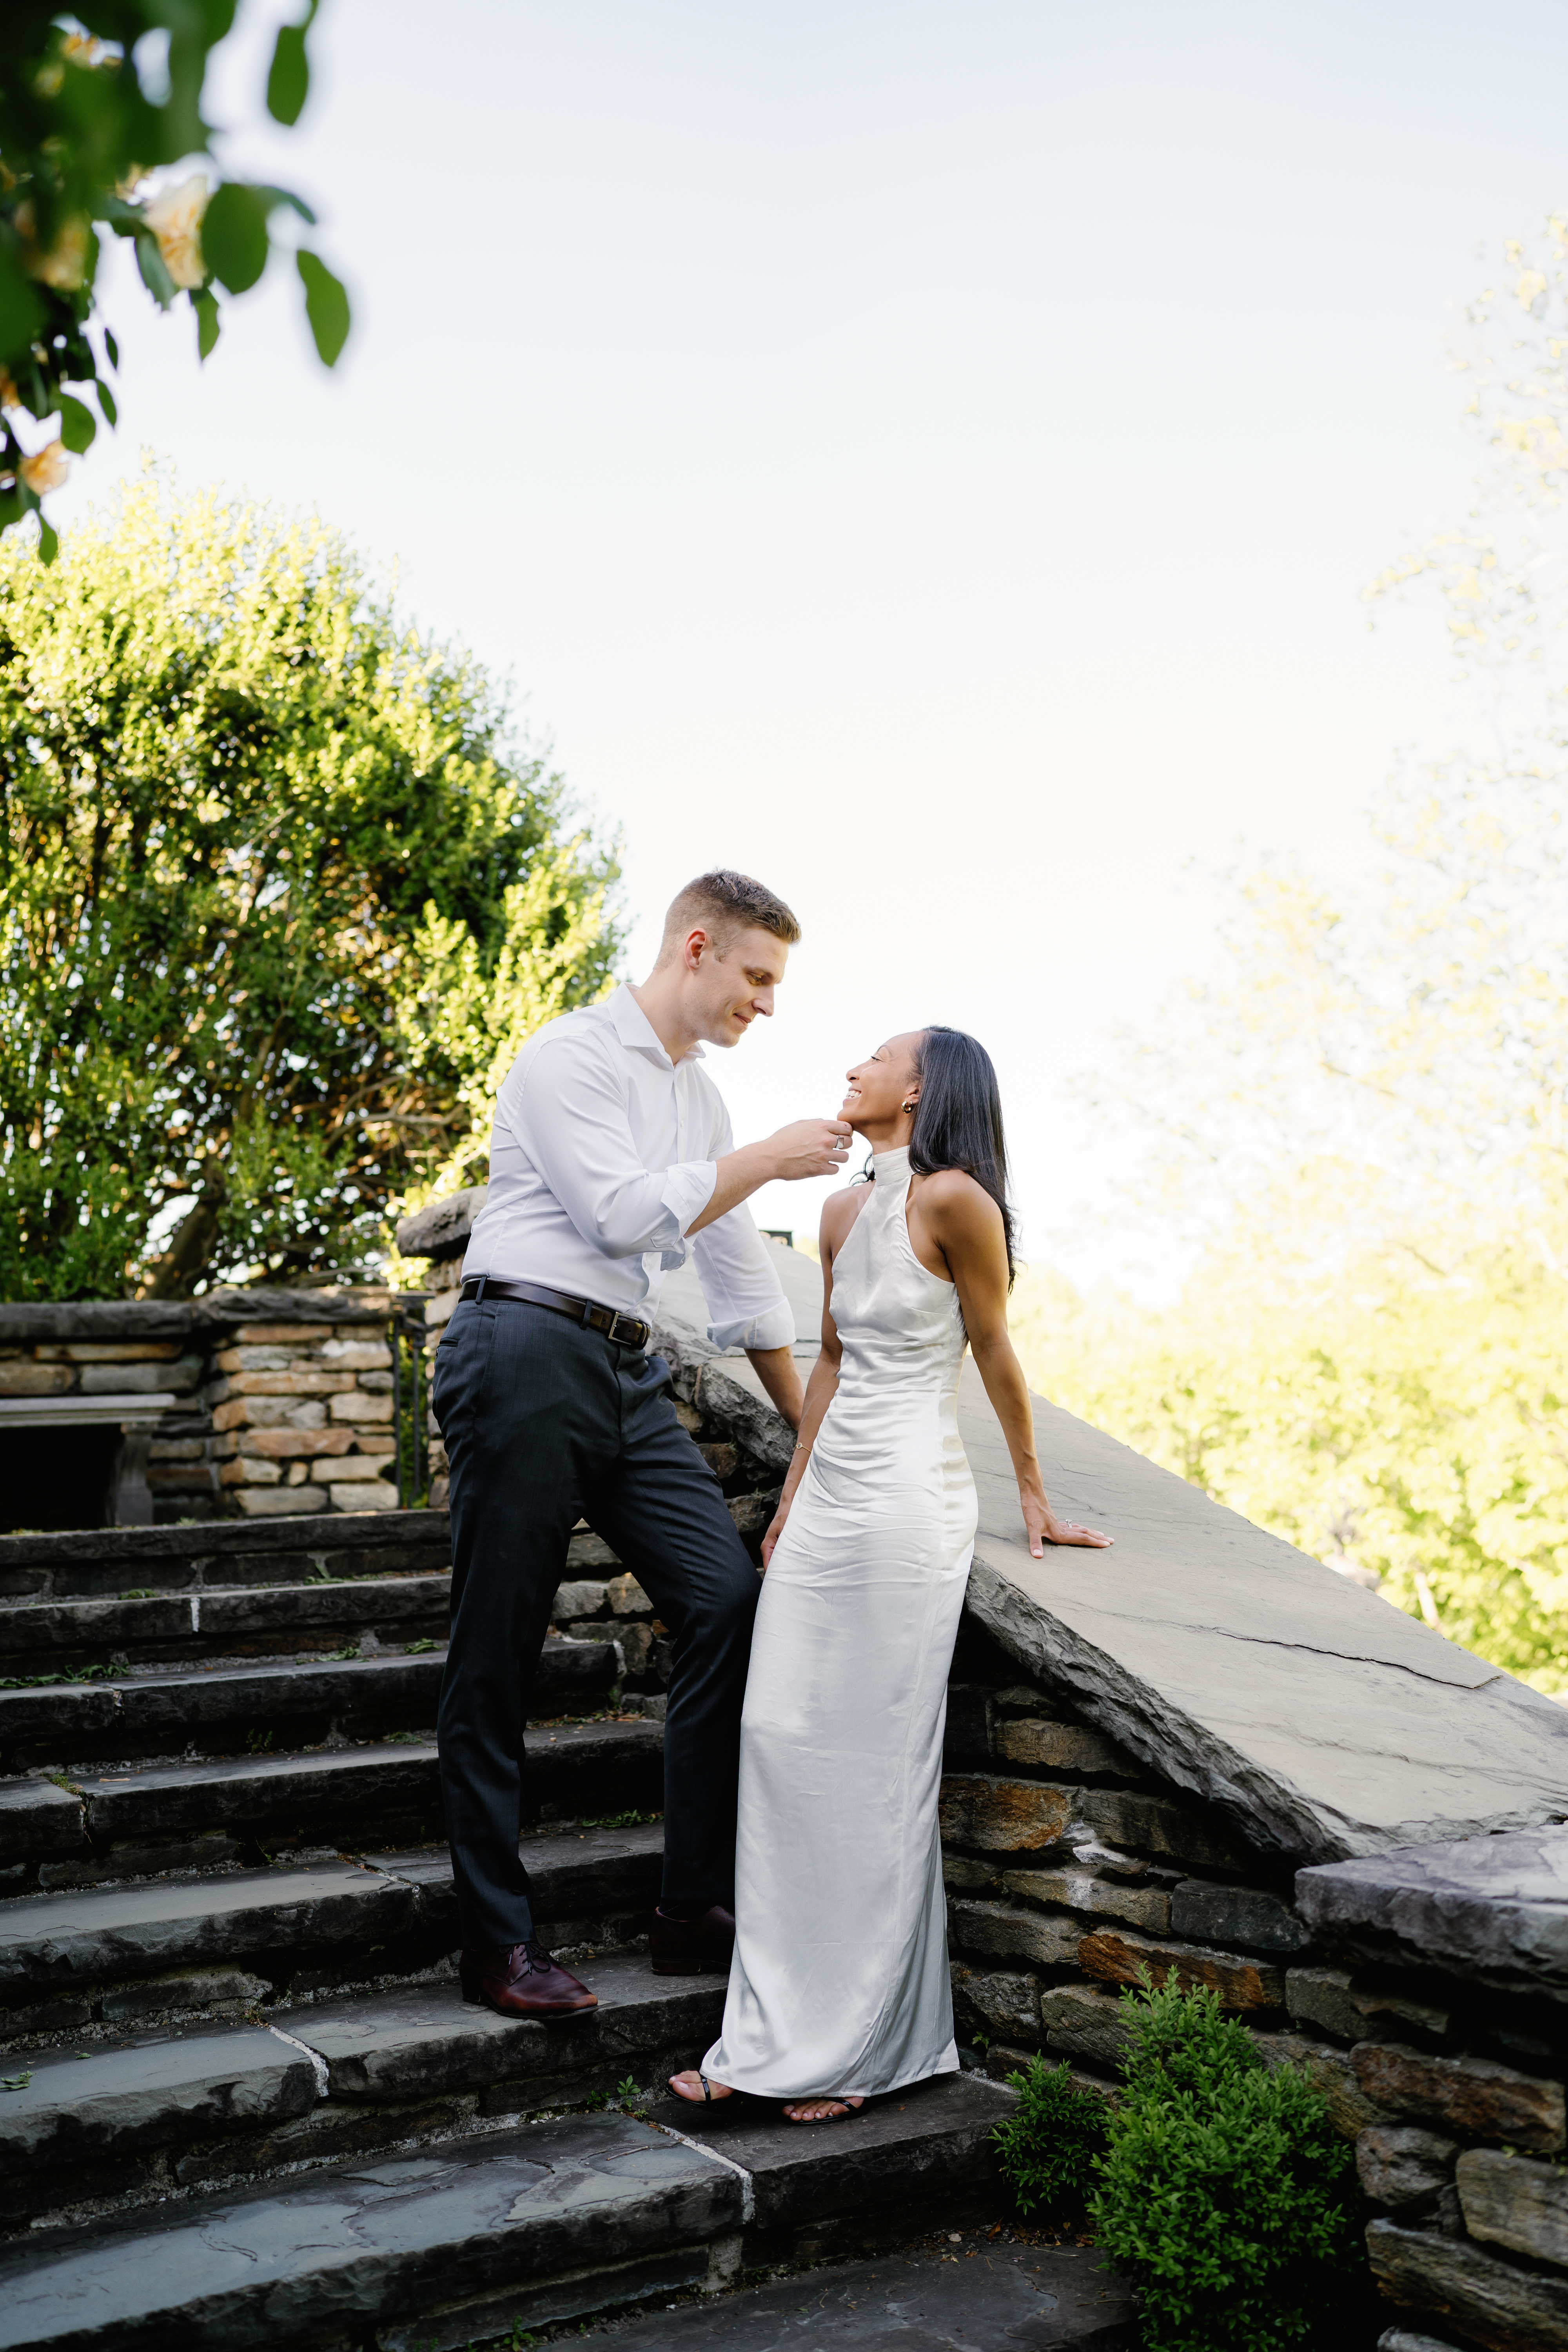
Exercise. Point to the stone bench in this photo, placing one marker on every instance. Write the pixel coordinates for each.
(128, 1498)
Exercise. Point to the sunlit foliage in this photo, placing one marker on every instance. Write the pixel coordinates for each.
(277, 901)
(1358, 1129)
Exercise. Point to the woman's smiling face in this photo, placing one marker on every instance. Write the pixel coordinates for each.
(880, 1088)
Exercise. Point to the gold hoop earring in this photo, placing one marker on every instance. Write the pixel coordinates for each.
(907, 1106)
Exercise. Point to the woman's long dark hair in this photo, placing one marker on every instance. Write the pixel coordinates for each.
(958, 1120)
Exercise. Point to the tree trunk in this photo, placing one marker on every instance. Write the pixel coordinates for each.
(176, 1272)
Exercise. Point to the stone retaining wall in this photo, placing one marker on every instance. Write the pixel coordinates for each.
(282, 1401)
(302, 1419)
(1423, 1990)
(1446, 1982)
(1070, 1867)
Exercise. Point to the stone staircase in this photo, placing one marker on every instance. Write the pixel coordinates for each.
(243, 2102)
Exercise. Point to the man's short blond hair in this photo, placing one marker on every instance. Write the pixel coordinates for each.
(724, 903)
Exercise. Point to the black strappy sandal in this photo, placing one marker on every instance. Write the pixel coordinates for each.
(707, 2099)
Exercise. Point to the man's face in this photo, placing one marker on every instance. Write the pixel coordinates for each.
(728, 991)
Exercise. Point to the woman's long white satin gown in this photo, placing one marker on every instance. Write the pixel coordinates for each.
(839, 1981)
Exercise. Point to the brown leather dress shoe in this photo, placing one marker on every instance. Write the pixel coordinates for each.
(690, 1948)
(522, 1980)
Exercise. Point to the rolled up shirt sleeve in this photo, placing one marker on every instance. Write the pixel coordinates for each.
(570, 1118)
(740, 1281)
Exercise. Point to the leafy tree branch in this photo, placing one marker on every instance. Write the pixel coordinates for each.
(96, 110)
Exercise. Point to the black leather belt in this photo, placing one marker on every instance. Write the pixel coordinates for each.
(626, 1330)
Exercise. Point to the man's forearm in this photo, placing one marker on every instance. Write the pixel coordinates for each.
(810, 1147)
(777, 1370)
(740, 1174)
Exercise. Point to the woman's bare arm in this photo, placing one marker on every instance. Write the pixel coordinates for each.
(838, 1214)
(957, 1215)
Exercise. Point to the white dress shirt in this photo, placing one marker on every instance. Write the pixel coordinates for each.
(602, 1153)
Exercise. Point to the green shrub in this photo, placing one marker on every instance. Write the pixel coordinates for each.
(1221, 2194)
(1050, 2141)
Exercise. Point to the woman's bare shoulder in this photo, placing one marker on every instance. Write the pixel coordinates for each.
(953, 1192)
(839, 1212)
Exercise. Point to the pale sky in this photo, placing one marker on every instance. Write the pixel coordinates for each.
(927, 455)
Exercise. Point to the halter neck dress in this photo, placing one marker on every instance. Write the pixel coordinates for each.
(839, 1981)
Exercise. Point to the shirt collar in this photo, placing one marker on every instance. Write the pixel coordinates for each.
(633, 1028)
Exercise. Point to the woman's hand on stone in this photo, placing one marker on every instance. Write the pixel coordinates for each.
(1043, 1527)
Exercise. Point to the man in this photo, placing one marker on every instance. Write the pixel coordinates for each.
(612, 1151)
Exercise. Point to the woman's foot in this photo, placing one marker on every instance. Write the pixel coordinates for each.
(699, 2088)
(820, 2111)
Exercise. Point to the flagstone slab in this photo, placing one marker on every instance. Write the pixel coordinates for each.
(150, 2091)
(1493, 1909)
(363, 2243)
(403, 2045)
(65, 1940)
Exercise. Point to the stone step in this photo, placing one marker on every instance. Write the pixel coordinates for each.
(61, 1636)
(388, 2050)
(98, 2124)
(173, 1948)
(88, 1827)
(109, 1563)
(1003, 2293)
(332, 2257)
(154, 2115)
(138, 1818)
(291, 1705)
(141, 1818)
(103, 1563)
(817, 2183)
(477, 2236)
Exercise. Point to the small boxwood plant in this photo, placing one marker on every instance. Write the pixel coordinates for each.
(1050, 2141)
(1222, 2194)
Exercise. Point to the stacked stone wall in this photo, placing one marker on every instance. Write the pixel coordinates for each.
(1070, 1869)
(302, 1418)
(180, 1469)
(284, 1401)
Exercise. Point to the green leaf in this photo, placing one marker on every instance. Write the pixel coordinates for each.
(273, 198)
(233, 235)
(326, 305)
(78, 425)
(289, 83)
(106, 400)
(205, 304)
(154, 274)
(21, 306)
(48, 542)
(112, 348)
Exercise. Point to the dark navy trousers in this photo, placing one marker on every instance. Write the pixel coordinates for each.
(546, 1423)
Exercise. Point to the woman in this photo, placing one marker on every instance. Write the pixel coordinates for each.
(840, 1986)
